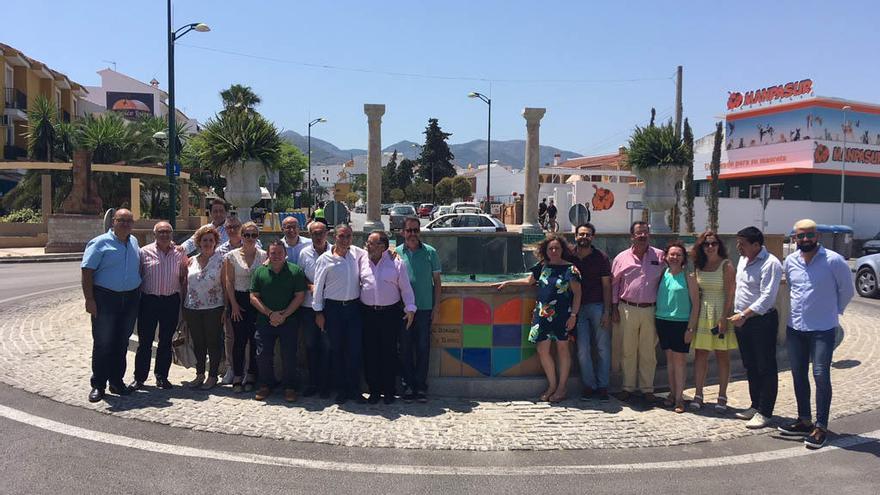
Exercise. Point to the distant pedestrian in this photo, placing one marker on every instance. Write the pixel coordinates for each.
(316, 340)
(163, 268)
(277, 291)
(636, 274)
(755, 319)
(203, 306)
(423, 267)
(389, 307)
(821, 288)
(110, 281)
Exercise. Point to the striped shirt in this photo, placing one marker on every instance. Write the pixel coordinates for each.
(161, 271)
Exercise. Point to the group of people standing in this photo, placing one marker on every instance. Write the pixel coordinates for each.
(651, 295)
(358, 310)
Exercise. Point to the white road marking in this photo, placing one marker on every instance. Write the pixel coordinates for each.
(399, 469)
(37, 293)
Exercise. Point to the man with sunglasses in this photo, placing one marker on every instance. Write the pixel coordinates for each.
(755, 319)
(423, 266)
(821, 287)
(293, 242)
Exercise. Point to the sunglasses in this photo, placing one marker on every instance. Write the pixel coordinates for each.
(710, 244)
(805, 235)
(250, 235)
(412, 231)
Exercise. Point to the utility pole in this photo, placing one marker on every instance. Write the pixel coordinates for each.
(678, 106)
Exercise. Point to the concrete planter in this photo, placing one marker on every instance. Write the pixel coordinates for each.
(243, 187)
(659, 193)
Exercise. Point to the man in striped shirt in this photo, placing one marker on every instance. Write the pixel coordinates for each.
(161, 271)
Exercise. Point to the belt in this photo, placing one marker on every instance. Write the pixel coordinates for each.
(342, 303)
(638, 305)
(381, 308)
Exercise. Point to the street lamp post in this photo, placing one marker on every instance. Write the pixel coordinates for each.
(172, 126)
(313, 122)
(843, 167)
(488, 101)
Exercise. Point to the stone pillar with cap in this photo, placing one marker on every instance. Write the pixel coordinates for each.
(374, 167)
(533, 116)
(135, 198)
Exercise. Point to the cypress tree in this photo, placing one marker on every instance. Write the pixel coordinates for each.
(715, 171)
(689, 179)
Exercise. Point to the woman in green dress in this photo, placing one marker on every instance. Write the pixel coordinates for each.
(558, 302)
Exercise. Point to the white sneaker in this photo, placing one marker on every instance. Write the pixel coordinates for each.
(758, 421)
(228, 377)
(747, 414)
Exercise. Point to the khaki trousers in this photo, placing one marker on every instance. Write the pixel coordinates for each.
(638, 339)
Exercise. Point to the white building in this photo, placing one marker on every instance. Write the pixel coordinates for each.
(130, 97)
(503, 182)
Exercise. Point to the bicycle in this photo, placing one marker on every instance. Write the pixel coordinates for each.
(552, 225)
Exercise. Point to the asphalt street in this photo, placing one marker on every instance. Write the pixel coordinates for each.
(48, 447)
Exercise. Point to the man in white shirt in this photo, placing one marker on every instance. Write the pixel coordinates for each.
(316, 342)
(218, 220)
(338, 313)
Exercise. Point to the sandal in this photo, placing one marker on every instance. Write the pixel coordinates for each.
(679, 407)
(721, 406)
(557, 398)
(697, 403)
(545, 397)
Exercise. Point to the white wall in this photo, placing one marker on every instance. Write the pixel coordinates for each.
(502, 183)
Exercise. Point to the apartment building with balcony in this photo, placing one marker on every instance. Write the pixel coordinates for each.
(23, 79)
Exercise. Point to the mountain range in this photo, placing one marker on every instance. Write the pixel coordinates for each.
(510, 152)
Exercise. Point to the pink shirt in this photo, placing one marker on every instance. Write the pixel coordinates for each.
(385, 283)
(160, 271)
(636, 280)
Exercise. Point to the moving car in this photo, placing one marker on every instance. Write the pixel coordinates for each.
(867, 268)
(872, 246)
(466, 222)
(398, 215)
(425, 210)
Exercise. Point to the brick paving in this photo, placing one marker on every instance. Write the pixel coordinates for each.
(45, 348)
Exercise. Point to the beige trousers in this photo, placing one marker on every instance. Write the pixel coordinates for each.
(638, 342)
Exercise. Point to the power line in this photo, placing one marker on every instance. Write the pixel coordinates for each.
(421, 76)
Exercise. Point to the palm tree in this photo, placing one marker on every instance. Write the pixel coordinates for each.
(239, 98)
(235, 138)
(108, 136)
(41, 129)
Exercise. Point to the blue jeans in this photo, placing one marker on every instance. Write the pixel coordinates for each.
(589, 329)
(817, 347)
(345, 335)
(415, 347)
(265, 338)
(111, 328)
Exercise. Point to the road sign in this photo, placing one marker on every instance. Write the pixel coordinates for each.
(635, 205)
(578, 214)
(176, 170)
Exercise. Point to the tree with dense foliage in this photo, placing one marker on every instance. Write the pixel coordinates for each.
(443, 190)
(41, 129)
(714, 171)
(689, 180)
(389, 177)
(239, 98)
(435, 160)
(404, 176)
(397, 195)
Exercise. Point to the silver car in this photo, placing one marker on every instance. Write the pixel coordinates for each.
(867, 269)
(398, 214)
(466, 222)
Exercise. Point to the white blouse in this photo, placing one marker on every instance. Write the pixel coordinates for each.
(241, 271)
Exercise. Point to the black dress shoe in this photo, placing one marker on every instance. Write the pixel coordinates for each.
(96, 394)
(119, 389)
(374, 399)
(359, 398)
(135, 385)
(163, 383)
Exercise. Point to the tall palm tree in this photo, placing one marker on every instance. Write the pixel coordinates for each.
(41, 129)
(239, 98)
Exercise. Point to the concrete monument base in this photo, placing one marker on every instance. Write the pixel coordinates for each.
(371, 225)
(70, 233)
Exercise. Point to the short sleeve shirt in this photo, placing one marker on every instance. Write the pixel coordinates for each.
(592, 268)
(277, 289)
(421, 265)
(116, 263)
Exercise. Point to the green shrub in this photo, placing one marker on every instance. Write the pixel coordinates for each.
(24, 215)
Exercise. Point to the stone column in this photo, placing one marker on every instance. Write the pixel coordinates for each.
(374, 167)
(46, 195)
(83, 198)
(135, 201)
(531, 224)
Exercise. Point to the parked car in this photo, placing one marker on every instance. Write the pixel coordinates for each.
(360, 209)
(466, 222)
(425, 210)
(872, 246)
(439, 211)
(383, 208)
(461, 204)
(398, 215)
(867, 268)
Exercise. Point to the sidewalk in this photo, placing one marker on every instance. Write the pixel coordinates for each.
(34, 255)
(45, 347)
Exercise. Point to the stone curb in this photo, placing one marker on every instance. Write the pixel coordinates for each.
(47, 258)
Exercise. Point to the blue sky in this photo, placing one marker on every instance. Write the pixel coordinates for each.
(578, 59)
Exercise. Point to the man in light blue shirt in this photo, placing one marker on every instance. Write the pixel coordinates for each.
(110, 281)
(821, 288)
(293, 242)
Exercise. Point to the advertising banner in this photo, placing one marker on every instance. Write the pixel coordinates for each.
(132, 106)
(803, 124)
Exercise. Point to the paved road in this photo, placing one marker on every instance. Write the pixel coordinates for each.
(52, 447)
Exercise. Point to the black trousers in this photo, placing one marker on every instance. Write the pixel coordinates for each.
(243, 334)
(317, 353)
(111, 328)
(757, 346)
(381, 326)
(164, 311)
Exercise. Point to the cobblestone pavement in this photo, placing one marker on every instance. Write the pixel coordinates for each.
(45, 348)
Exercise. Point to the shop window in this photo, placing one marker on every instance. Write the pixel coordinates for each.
(776, 191)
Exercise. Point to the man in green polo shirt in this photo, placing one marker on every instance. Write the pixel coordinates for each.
(423, 265)
(277, 291)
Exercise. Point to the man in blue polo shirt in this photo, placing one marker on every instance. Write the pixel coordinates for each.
(110, 282)
(423, 265)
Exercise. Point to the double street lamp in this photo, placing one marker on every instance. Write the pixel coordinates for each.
(488, 101)
(172, 126)
(313, 122)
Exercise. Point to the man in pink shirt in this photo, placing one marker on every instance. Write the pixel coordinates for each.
(384, 282)
(636, 274)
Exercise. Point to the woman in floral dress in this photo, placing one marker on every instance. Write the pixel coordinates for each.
(203, 306)
(558, 302)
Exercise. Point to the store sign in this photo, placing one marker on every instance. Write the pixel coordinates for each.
(853, 155)
(770, 94)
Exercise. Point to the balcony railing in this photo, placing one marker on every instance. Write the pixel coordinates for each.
(13, 98)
